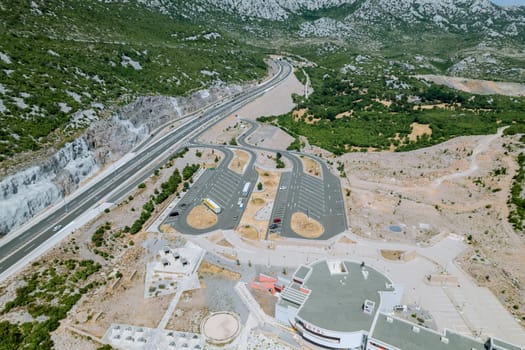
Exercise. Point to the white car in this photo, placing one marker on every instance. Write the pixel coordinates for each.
(56, 228)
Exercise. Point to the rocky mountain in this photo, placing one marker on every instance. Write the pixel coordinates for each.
(24, 194)
(66, 66)
(463, 16)
(460, 15)
(273, 9)
(473, 38)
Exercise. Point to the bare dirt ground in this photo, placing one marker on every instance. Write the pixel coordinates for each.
(211, 269)
(269, 136)
(239, 161)
(306, 227)
(224, 132)
(450, 188)
(124, 302)
(201, 217)
(249, 232)
(249, 226)
(265, 299)
(419, 130)
(346, 240)
(276, 102)
(392, 254)
(311, 166)
(483, 87)
(195, 305)
(208, 158)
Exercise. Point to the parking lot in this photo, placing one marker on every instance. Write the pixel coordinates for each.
(320, 199)
(224, 187)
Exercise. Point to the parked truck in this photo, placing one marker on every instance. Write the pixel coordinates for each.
(246, 189)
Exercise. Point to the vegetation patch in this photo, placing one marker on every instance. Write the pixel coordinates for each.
(517, 200)
(47, 296)
(93, 55)
(349, 112)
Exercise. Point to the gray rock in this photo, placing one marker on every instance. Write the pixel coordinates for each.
(27, 192)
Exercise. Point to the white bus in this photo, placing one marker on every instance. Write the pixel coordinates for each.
(246, 189)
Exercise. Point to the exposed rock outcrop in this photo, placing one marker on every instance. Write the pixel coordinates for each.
(26, 193)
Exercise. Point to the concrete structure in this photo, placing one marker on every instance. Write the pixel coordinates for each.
(221, 327)
(391, 333)
(268, 284)
(170, 268)
(347, 305)
(334, 303)
(122, 336)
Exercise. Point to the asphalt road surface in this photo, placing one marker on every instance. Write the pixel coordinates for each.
(320, 199)
(128, 176)
(224, 187)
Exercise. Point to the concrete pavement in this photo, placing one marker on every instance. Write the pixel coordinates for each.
(144, 163)
(466, 308)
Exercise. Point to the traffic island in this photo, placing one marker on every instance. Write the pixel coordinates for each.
(239, 162)
(201, 218)
(306, 227)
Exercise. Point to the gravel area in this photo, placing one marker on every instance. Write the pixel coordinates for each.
(275, 102)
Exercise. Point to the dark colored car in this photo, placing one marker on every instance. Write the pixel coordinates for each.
(273, 226)
(277, 220)
(175, 213)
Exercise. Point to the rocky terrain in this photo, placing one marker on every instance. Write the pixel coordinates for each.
(27, 192)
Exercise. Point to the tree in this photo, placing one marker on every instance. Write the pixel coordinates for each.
(259, 186)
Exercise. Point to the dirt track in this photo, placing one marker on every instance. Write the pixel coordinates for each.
(450, 188)
(482, 87)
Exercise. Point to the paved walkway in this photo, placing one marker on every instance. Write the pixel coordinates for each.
(465, 308)
(184, 285)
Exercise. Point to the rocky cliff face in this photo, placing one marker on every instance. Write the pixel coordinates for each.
(26, 193)
(273, 9)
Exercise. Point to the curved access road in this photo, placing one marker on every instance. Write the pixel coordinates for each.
(118, 183)
(321, 199)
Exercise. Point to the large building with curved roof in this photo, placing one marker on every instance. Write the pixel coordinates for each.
(342, 304)
(334, 303)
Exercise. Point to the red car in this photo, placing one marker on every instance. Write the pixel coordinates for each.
(277, 220)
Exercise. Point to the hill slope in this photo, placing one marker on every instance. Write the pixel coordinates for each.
(62, 57)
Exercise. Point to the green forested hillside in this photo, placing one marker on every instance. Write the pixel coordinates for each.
(58, 57)
(64, 56)
(374, 106)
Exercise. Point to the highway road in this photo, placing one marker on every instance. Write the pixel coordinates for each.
(120, 182)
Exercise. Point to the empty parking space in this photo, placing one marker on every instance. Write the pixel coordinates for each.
(320, 199)
(225, 184)
(221, 185)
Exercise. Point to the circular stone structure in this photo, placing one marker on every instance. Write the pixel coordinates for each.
(221, 327)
